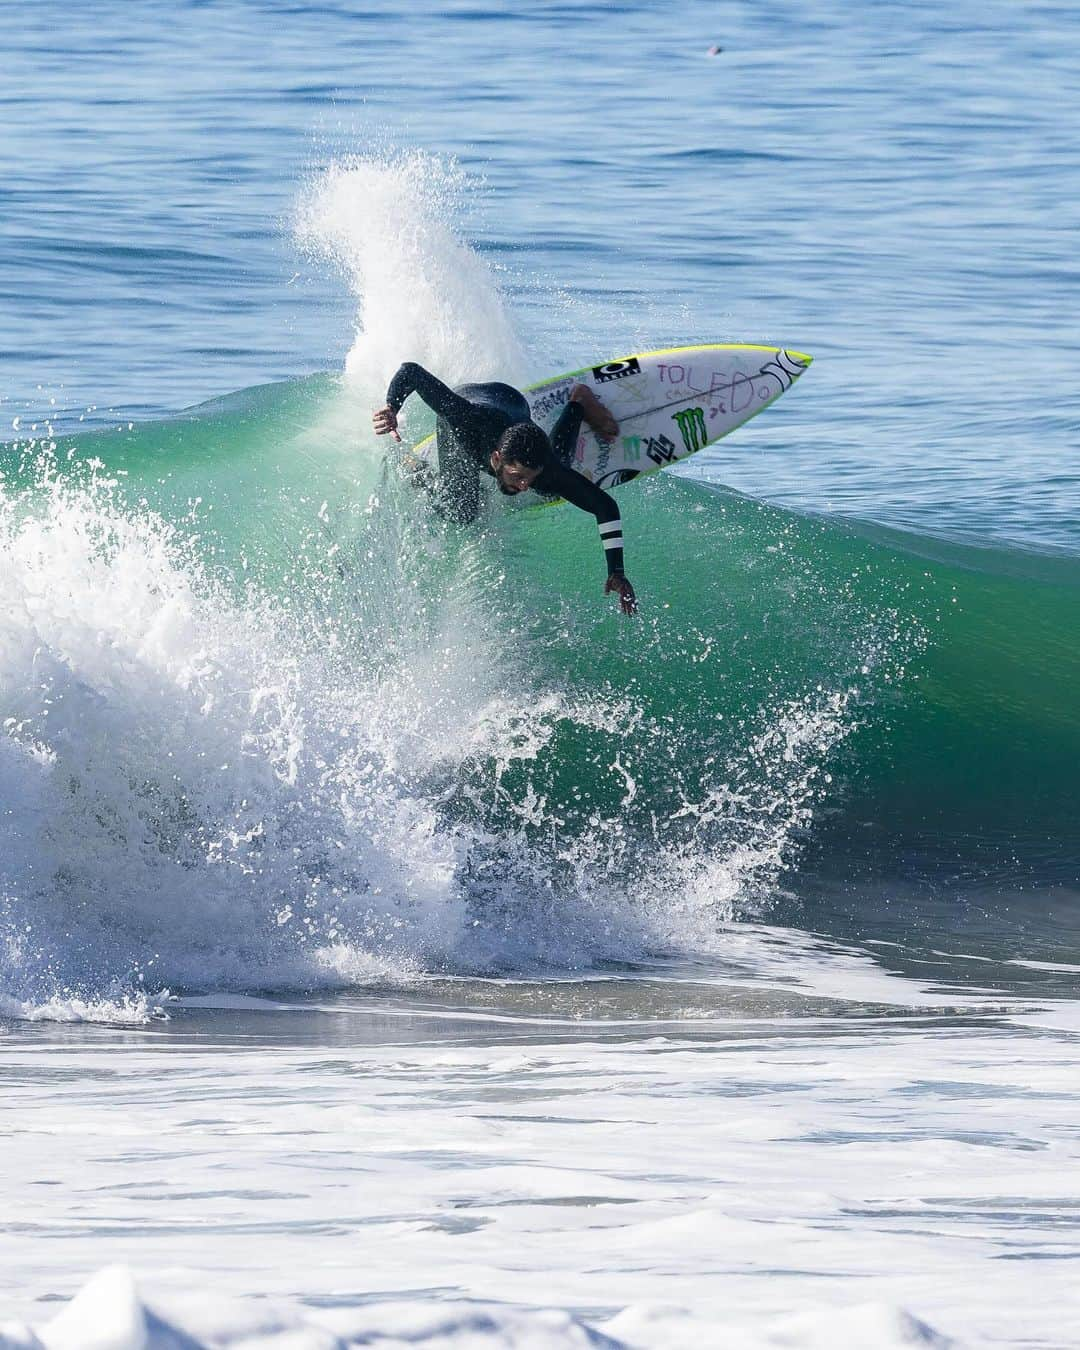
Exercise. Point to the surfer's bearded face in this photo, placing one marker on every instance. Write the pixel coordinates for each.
(511, 476)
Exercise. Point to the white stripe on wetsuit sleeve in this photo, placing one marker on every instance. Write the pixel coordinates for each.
(611, 534)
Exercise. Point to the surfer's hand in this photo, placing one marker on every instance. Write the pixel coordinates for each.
(597, 416)
(385, 420)
(627, 598)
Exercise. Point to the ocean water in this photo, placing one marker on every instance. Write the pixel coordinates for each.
(398, 946)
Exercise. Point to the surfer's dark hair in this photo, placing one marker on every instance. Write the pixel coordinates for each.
(524, 443)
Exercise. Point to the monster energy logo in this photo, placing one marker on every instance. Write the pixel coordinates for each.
(691, 422)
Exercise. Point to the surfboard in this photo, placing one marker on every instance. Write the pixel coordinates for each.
(669, 405)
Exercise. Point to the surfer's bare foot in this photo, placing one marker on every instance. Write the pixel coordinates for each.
(596, 415)
(415, 472)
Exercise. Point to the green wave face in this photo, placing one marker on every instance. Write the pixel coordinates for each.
(789, 678)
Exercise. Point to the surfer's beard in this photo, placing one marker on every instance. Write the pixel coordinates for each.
(504, 488)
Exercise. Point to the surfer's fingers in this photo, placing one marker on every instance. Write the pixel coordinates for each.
(384, 421)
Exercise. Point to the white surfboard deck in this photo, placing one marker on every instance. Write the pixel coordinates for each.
(669, 405)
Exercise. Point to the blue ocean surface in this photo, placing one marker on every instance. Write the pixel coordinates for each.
(397, 941)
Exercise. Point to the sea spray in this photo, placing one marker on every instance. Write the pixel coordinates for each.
(392, 227)
(185, 783)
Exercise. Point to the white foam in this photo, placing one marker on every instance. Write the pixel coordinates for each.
(203, 799)
(392, 226)
(106, 1314)
(110, 1312)
(192, 798)
(868, 1326)
(844, 1180)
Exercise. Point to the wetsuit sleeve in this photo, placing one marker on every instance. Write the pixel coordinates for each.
(564, 433)
(577, 489)
(440, 398)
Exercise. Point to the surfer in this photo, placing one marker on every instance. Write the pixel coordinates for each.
(488, 428)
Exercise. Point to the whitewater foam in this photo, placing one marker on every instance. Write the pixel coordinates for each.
(193, 799)
(391, 226)
(124, 1318)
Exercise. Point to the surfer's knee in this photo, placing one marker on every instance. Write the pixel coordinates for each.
(460, 508)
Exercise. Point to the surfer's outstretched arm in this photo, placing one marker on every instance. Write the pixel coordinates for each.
(440, 398)
(560, 481)
(414, 379)
(458, 418)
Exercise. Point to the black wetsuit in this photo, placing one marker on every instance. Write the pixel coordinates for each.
(471, 420)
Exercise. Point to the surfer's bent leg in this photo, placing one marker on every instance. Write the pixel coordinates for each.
(412, 470)
(459, 478)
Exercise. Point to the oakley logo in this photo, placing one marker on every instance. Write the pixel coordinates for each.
(616, 370)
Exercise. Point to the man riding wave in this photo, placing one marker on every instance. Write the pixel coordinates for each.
(488, 428)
